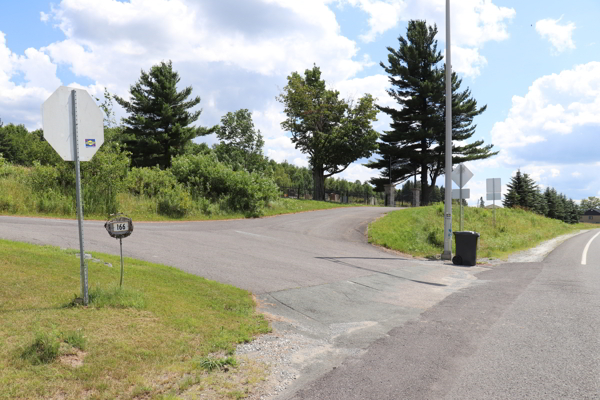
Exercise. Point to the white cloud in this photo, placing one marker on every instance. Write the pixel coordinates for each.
(550, 131)
(44, 17)
(473, 22)
(358, 172)
(560, 111)
(467, 61)
(20, 103)
(560, 36)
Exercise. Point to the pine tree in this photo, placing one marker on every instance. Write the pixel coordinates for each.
(512, 198)
(158, 125)
(416, 140)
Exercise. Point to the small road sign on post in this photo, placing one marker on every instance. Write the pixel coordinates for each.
(461, 175)
(67, 115)
(493, 192)
(119, 228)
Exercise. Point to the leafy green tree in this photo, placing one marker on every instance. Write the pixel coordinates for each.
(19, 146)
(159, 124)
(416, 140)
(332, 131)
(241, 144)
(590, 203)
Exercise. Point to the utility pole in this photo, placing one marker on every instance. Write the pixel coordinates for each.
(447, 254)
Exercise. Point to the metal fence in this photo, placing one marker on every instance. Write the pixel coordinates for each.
(336, 196)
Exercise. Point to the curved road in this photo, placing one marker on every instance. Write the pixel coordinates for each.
(375, 325)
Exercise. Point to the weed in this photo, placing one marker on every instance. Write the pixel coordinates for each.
(212, 363)
(43, 350)
(75, 339)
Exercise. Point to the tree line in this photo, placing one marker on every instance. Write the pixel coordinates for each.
(524, 193)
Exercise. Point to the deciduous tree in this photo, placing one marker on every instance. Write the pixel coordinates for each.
(333, 132)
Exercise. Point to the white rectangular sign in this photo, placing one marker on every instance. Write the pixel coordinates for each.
(494, 196)
(120, 226)
(493, 185)
(456, 193)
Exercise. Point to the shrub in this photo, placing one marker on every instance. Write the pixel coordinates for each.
(207, 177)
(149, 181)
(102, 179)
(52, 201)
(43, 177)
(174, 202)
(7, 203)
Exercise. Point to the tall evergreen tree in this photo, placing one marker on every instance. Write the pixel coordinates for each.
(158, 125)
(416, 141)
(512, 197)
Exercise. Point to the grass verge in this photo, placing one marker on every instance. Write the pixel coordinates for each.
(419, 231)
(151, 340)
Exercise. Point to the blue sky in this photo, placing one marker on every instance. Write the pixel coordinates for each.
(535, 64)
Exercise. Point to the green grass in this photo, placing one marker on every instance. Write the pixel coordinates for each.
(419, 231)
(17, 199)
(142, 341)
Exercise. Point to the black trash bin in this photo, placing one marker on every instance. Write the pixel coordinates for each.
(466, 248)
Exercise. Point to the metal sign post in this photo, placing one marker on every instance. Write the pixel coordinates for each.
(83, 265)
(461, 175)
(494, 188)
(67, 114)
(119, 228)
(447, 254)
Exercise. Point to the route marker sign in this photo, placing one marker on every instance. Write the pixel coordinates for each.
(461, 175)
(67, 114)
(119, 228)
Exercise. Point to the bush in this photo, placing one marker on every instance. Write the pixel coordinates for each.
(174, 202)
(43, 178)
(102, 179)
(52, 201)
(206, 177)
(150, 181)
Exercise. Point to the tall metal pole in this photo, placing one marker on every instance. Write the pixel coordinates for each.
(83, 266)
(461, 199)
(447, 254)
(494, 200)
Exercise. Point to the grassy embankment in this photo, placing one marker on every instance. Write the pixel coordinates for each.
(419, 231)
(156, 339)
(17, 197)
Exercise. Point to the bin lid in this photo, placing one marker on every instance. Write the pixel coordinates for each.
(467, 233)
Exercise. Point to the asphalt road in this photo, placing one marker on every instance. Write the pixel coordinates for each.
(525, 331)
(376, 325)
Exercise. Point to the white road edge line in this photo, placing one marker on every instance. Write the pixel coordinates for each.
(585, 250)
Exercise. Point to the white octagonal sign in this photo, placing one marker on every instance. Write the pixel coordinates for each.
(57, 121)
